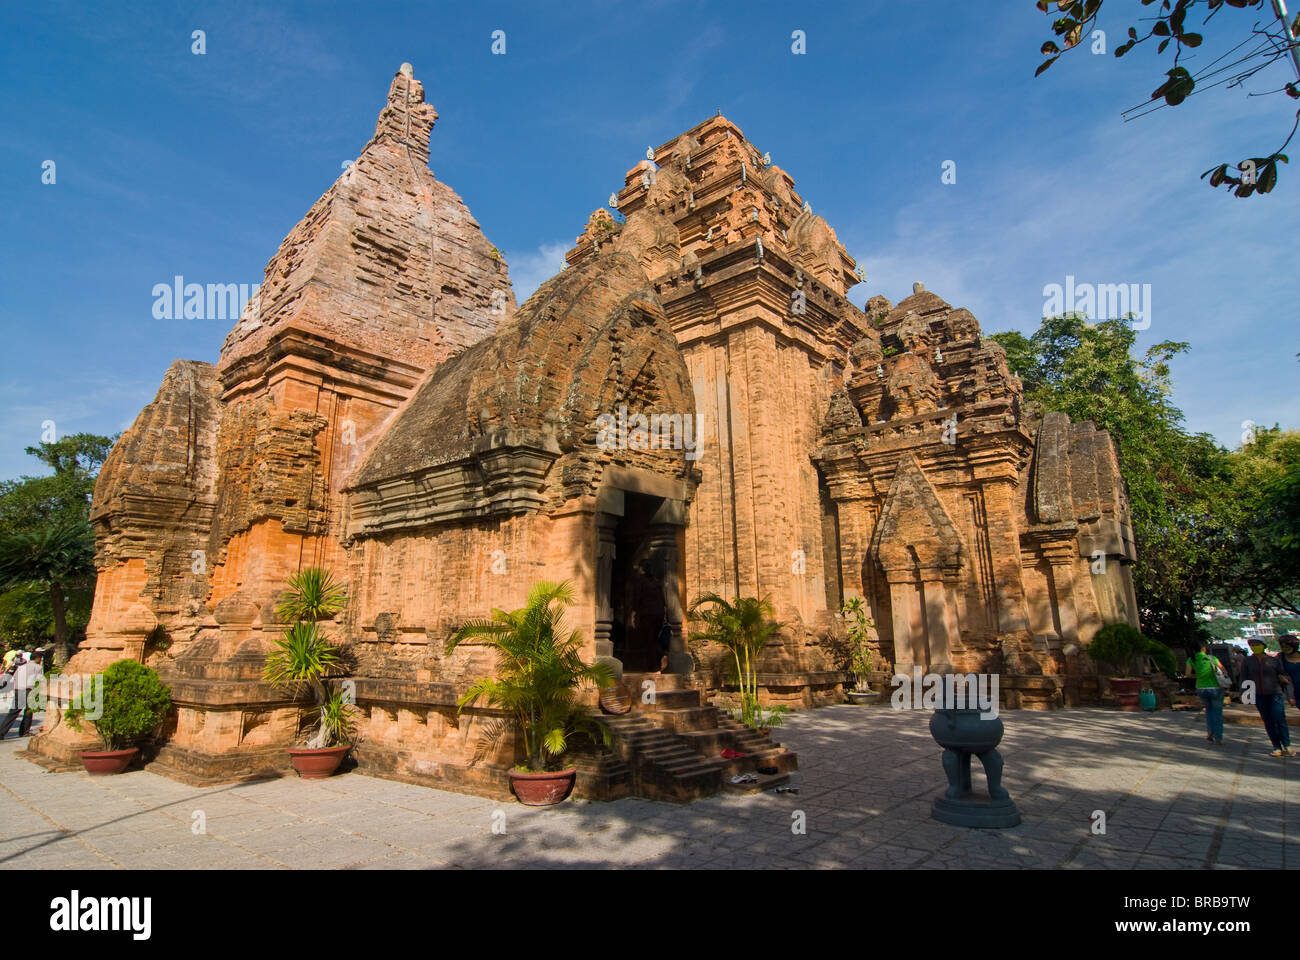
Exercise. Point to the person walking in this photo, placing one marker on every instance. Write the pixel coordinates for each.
(26, 677)
(1290, 659)
(1269, 678)
(1201, 665)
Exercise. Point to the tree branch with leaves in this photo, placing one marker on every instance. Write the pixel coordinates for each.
(1264, 45)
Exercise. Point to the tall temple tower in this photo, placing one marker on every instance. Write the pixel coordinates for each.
(231, 479)
(753, 284)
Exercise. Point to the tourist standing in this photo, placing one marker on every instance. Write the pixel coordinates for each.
(1202, 666)
(1270, 678)
(1290, 659)
(25, 678)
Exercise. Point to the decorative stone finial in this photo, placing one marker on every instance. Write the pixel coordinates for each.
(918, 287)
(406, 70)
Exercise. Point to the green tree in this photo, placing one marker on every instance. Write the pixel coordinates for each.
(743, 626)
(30, 503)
(55, 557)
(304, 656)
(27, 619)
(539, 673)
(135, 703)
(46, 543)
(1264, 560)
(1180, 485)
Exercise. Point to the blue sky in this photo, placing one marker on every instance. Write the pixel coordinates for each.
(172, 163)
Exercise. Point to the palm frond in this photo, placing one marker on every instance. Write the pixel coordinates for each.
(313, 594)
(539, 670)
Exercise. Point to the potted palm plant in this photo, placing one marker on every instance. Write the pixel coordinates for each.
(539, 672)
(131, 704)
(303, 659)
(743, 627)
(860, 656)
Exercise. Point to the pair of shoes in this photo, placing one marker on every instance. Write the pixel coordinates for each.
(1277, 753)
(787, 790)
(744, 778)
(1218, 741)
(729, 754)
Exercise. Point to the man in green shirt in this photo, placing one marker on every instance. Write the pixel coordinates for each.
(1202, 665)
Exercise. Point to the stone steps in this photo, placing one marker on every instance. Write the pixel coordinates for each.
(672, 747)
(665, 700)
(688, 719)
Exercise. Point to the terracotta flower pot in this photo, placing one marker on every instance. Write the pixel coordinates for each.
(616, 699)
(1126, 690)
(542, 789)
(101, 763)
(317, 764)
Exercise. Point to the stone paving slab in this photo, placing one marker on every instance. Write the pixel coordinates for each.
(866, 780)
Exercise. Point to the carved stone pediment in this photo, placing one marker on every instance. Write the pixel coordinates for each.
(914, 534)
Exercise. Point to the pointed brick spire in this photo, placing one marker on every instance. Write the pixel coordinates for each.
(406, 118)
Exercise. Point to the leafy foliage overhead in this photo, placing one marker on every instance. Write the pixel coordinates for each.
(46, 543)
(1073, 21)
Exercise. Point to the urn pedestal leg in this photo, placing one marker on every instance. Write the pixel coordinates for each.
(963, 734)
(992, 761)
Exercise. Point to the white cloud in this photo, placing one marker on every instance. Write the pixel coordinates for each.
(530, 270)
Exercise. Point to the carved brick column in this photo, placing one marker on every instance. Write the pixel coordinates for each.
(909, 641)
(1000, 506)
(606, 524)
(666, 533)
(940, 619)
(1060, 558)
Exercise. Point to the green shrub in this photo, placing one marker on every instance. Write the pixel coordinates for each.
(135, 703)
(1162, 655)
(1117, 645)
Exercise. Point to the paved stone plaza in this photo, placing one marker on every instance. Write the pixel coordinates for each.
(866, 779)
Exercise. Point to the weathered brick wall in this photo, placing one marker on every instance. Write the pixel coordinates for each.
(152, 507)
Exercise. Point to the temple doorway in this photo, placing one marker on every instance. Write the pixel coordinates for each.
(637, 596)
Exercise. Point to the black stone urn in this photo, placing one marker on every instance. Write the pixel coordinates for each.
(963, 734)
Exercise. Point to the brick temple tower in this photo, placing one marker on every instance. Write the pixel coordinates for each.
(753, 284)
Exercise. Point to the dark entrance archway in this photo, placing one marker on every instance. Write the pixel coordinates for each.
(637, 582)
(640, 569)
